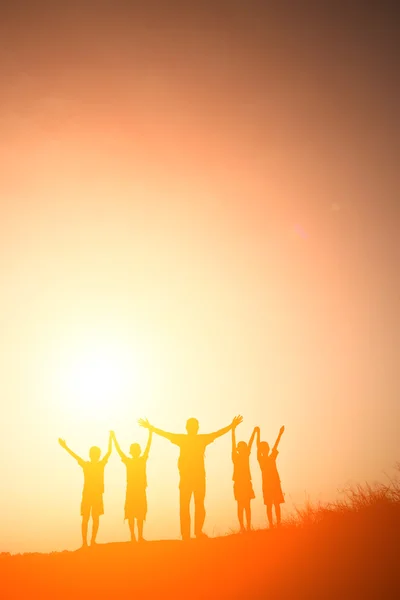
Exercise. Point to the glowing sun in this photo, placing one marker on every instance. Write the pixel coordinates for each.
(98, 379)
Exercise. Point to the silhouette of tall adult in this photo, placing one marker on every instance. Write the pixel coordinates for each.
(192, 469)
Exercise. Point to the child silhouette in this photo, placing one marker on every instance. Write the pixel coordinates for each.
(93, 487)
(136, 484)
(271, 482)
(242, 486)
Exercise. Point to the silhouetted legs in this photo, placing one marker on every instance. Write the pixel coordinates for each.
(198, 489)
(269, 515)
(185, 494)
(139, 523)
(85, 523)
(277, 513)
(241, 517)
(240, 510)
(95, 528)
(244, 508)
(140, 529)
(199, 509)
(132, 529)
(247, 510)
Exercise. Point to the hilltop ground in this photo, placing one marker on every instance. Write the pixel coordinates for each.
(349, 550)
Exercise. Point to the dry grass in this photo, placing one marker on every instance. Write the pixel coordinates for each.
(379, 500)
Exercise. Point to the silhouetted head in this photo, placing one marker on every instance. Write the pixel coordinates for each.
(135, 450)
(264, 448)
(94, 454)
(192, 426)
(242, 448)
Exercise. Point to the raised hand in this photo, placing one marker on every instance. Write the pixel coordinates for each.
(112, 434)
(62, 443)
(282, 429)
(236, 421)
(145, 423)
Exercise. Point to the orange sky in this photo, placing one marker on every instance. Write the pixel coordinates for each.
(213, 208)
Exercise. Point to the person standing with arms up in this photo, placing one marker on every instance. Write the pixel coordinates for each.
(136, 484)
(242, 486)
(271, 482)
(93, 487)
(191, 469)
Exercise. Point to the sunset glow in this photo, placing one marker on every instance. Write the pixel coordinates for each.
(197, 219)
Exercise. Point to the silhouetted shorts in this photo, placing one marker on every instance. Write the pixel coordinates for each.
(243, 491)
(136, 504)
(92, 504)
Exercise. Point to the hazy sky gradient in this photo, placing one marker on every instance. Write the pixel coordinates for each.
(212, 197)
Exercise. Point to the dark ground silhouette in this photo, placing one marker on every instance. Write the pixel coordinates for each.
(346, 551)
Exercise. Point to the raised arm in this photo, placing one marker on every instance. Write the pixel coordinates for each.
(109, 449)
(63, 444)
(147, 450)
(278, 439)
(251, 440)
(234, 449)
(257, 432)
(172, 437)
(236, 421)
(117, 446)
